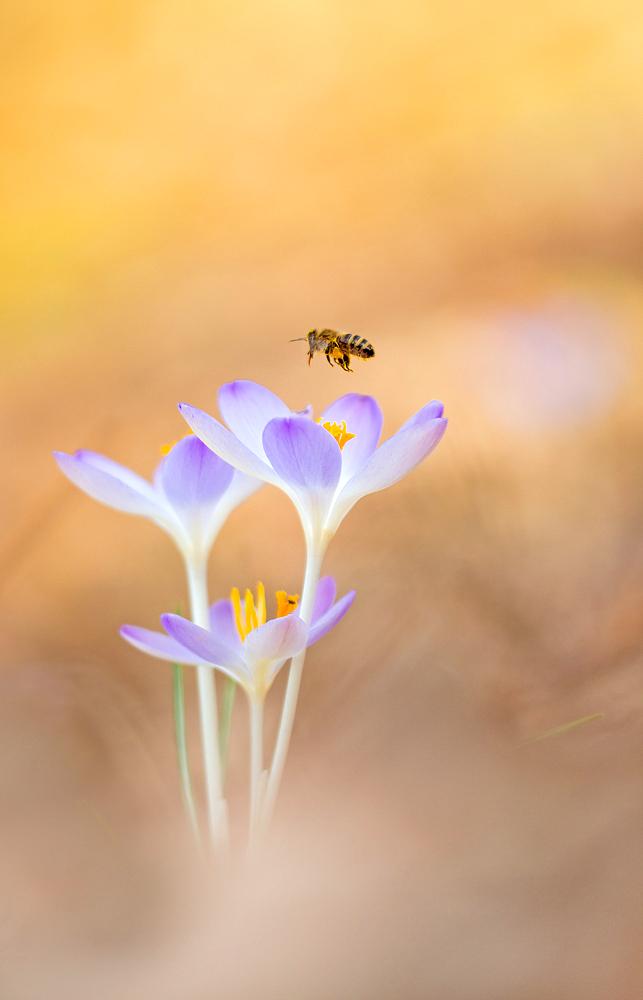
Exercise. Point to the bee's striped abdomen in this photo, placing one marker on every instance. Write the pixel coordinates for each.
(359, 347)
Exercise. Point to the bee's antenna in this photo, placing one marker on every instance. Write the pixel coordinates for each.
(297, 338)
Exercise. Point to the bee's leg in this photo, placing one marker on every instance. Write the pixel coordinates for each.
(310, 357)
(327, 352)
(347, 363)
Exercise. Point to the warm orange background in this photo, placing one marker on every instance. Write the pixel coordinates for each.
(184, 188)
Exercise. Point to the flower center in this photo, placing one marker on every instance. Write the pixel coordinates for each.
(338, 431)
(252, 614)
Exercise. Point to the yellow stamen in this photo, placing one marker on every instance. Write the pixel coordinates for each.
(285, 603)
(251, 614)
(235, 597)
(338, 431)
(261, 603)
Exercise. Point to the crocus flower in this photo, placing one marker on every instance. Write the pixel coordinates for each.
(248, 649)
(240, 642)
(325, 467)
(193, 491)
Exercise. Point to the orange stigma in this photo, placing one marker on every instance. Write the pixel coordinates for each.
(286, 603)
(338, 431)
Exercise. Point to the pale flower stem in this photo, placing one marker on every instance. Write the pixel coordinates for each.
(198, 586)
(182, 752)
(225, 724)
(314, 558)
(256, 765)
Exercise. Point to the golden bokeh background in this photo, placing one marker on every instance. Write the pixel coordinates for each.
(185, 187)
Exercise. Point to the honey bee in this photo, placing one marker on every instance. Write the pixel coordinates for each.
(338, 347)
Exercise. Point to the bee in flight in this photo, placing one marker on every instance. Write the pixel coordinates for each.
(338, 347)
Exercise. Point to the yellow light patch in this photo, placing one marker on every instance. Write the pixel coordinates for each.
(338, 431)
(165, 449)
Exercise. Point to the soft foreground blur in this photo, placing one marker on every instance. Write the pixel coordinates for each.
(186, 188)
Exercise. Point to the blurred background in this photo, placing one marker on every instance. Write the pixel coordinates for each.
(184, 188)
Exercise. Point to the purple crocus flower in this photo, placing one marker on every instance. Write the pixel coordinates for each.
(247, 648)
(240, 642)
(325, 467)
(193, 491)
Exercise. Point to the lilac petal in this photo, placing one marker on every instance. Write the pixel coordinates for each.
(158, 472)
(324, 597)
(393, 460)
(224, 444)
(123, 493)
(193, 477)
(246, 408)
(158, 644)
(278, 639)
(223, 625)
(206, 645)
(363, 418)
(330, 619)
(121, 472)
(240, 489)
(307, 458)
(430, 411)
(303, 453)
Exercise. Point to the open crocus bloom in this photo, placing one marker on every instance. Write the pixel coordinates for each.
(193, 492)
(324, 466)
(240, 642)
